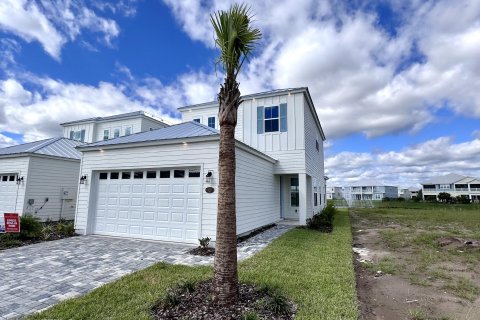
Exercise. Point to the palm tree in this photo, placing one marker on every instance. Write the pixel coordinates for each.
(236, 39)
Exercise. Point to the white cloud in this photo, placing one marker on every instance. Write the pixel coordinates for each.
(37, 111)
(409, 166)
(362, 79)
(6, 141)
(26, 20)
(54, 24)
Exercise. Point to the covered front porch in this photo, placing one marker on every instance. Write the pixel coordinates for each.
(296, 198)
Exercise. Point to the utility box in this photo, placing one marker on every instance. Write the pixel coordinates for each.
(67, 194)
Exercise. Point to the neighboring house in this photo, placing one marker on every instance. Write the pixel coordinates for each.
(454, 184)
(40, 178)
(370, 190)
(334, 193)
(163, 184)
(408, 193)
(104, 128)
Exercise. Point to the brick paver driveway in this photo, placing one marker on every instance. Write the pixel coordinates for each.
(37, 276)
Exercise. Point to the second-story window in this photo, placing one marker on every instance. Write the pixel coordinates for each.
(271, 119)
(106, 134)
(128, 131)
(211, 122)
(78, 135)
(196, 120)
(116, 132)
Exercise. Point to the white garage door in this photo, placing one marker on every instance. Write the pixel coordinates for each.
(8, 192)
(162, 204)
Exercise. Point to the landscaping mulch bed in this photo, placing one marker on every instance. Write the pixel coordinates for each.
(209, 251)
(198, 304)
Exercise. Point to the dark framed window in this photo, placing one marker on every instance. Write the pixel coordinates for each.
(126, 175)
(4, 178)
(114, 175)
(294, 192)
(103, 176)
(211, 122)
(12, 178)
(317, 145)
(164, 174)
(196, 120)
(151, 174)
(315, 199)
(271, 119)
(138, 175)
(193, 173)
(179, 173)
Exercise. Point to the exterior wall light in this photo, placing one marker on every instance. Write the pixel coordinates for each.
(209, 177)
(83, 179)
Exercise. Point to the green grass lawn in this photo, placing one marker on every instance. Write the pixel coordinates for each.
(313, 269)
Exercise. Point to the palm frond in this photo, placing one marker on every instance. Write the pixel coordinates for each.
(235, 37)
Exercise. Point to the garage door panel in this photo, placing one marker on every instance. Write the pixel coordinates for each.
(149, 202)
(149, 208)
(178, 189)
(150, 188)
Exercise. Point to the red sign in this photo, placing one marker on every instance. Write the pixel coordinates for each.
(12, 222)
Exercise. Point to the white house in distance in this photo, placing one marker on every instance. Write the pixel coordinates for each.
(369, 190)
(104, 128)
(40, 178)
(454, 184)
(334, 193)
(163, 184)
(408, 193)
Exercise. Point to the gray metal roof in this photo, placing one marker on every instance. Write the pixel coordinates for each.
(253, 95)
(179, 131)
(447, 179)
(115, 117)
(55, 147)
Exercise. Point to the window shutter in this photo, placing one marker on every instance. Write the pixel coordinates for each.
(71, 135)
(283, 117)
(82, 135)
(259, 120)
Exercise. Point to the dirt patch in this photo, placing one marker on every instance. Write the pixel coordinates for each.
(201, 251)
(405, 294)
(197, 304)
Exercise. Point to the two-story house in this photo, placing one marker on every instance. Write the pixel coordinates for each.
(163, 184)
(334, 193)
(454, 184)
(370, 190)
(41, 178)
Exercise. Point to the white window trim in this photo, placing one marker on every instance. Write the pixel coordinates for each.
(108, 134)
(269, 119)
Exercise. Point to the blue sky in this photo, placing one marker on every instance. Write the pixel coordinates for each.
(391, 80)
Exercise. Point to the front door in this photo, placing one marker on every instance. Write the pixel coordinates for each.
(293, 198)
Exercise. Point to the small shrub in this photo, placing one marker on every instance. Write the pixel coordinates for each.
(187, 286)
(204, 242)
(323, 221)
(47, 231)
(65, 228)
(30, 227)
(275, 302)
(171, 298)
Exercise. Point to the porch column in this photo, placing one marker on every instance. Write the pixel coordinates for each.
(302, 194)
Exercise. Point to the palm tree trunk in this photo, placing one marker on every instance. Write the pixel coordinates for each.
(225, 266)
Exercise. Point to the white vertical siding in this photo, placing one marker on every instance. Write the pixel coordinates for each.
(89, 128)
(135, 123)
(203, 154)
(148, 123)
(287, 147)
(203, 114)
(257, 192)
(314, 159)
(18, 165)
(46, 179)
